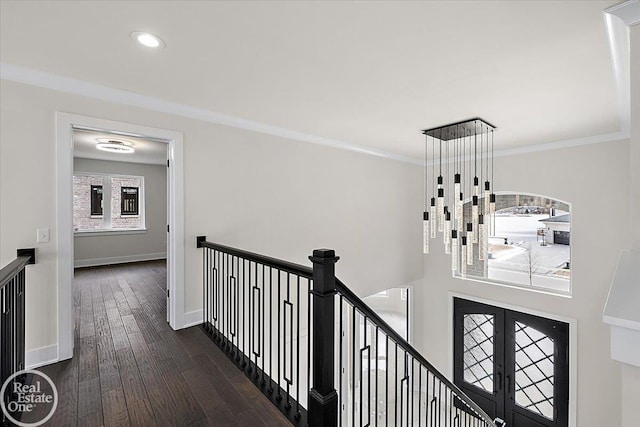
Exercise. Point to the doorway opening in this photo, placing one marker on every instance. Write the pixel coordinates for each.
(118, 203)
(120, 196)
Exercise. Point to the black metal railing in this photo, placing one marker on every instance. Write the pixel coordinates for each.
(297, 332)
(12, 326)
(385, 381)
(257, 309)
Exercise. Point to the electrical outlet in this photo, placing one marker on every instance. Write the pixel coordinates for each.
(43, 235)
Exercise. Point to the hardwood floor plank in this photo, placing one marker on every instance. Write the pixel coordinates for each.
(93, 419)
(234, 400)
(186, 402)
(115, 408)
(141, 414)
(91, 401)
(132, 384)
(88, 363)
(66, 413)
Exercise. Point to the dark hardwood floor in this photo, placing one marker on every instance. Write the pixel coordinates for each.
(130, 368)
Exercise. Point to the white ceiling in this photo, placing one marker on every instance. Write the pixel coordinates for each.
(145, 151)
(371, 74)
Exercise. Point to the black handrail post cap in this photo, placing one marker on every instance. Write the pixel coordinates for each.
(200, 240)
(324, 256)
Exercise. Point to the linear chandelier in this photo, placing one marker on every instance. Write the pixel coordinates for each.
(461, 158)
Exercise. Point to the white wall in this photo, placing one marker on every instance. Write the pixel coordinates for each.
(98, 250)
(262, 193)
(594, 179)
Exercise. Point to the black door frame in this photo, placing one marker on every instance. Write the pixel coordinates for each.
(571, 358)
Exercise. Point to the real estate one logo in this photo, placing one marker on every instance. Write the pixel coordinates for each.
(28, 398)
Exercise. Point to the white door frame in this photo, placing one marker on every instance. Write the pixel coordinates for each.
(65, 124)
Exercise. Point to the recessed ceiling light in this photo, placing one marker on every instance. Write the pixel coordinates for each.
(147, 39)
(114, 145)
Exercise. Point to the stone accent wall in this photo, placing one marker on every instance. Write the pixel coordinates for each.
(82, 219)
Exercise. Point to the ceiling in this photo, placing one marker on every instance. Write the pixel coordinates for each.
(146, 151)
(372, 74)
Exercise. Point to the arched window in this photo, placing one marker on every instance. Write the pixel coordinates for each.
(529, 243)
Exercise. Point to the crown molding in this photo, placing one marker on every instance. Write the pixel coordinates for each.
(628, 12)
(28, 76)
(59, 83)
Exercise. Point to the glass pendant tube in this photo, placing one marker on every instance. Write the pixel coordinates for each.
(454, 250)
(469, 243)
(456, 185)
(487, 195)
(432, 215)
(482, 239)
(447, 233)
(425, 232)
(459, 217)
(440, 208)
(474, 217)
(463, 257)
(492, 214)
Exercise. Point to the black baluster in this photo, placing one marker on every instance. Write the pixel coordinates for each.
(297, 416)
(395, 407)
(340, 355)
(279, 397)
(270, 330)
(375, 413)
(309, 328)
(386, 381)
(353, 365)
(263, 382)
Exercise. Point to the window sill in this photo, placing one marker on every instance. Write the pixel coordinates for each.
(538, 289)
(111, 232)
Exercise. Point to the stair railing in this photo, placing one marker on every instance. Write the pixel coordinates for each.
(316, 350)
(12, 321)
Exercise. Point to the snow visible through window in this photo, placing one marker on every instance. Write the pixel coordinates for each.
(529, 244)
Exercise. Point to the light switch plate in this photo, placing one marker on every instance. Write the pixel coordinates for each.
(43, 235)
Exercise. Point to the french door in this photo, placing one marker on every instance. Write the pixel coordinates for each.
(514, 365)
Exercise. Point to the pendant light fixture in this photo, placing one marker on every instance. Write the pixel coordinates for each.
(459, 200)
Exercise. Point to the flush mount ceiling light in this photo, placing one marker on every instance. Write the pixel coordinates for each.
(114, 146)
(458, 208)
(147, 39)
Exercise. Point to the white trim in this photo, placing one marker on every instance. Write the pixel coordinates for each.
(628, 12)
(59, 83)
(41, 356)
(573, 342)
(109, 232)
(93, 262)
(576, 142)
(192, 318)
(620, 47)
(65, 124)
(622, 323)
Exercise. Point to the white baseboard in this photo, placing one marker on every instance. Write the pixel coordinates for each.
(192, 318)
(41, 356)
(118, 259)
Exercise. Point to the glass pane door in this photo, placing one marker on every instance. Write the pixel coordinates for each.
(515, 366)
